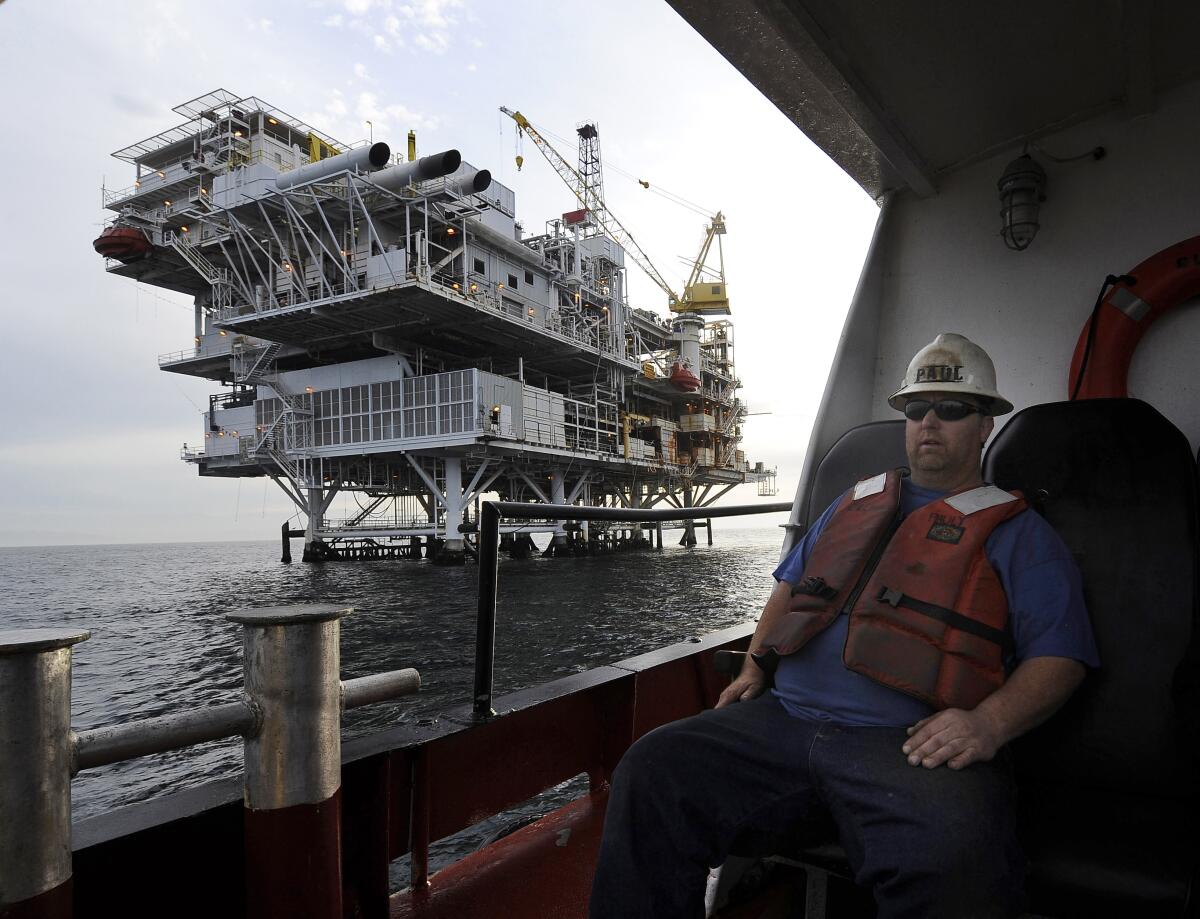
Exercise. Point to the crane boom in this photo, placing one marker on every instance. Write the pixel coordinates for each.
(588, 199)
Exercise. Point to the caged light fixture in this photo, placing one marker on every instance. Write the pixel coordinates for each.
(1022, 188)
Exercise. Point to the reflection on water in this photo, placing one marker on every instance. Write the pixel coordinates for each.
(160, 641)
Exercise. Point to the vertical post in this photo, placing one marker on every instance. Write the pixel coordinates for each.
(418, 863)
(452, 549)
(313, 547)
(658, 529)
(35, 762)
(293, 762)
(558, 496)
(708, 523)
(287, 544)
(689, 528)
(485, 620)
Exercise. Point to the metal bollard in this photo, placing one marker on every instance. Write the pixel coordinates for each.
(293, 763)
(35, 761)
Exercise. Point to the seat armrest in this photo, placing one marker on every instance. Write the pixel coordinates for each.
(729, 662)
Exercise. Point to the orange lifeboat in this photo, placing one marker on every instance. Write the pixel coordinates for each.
(683, 377)
(125, 244)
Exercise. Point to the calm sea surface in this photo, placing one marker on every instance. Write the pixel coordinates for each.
(160, 642)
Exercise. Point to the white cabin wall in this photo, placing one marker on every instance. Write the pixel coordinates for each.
(944, 266)
(849, 389)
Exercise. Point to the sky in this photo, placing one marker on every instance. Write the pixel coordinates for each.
(91, 429)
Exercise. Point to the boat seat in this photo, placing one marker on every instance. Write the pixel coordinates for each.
(863, 451)
(1109, 787)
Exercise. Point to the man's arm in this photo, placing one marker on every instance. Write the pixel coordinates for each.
(751, 681)
(1035, 691)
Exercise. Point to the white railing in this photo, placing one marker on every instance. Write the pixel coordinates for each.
(191, 354)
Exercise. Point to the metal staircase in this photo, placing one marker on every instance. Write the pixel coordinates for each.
(291, 429)
(252, 365)
(190, 254)
(218, 278)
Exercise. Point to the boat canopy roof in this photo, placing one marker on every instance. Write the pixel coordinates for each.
(900, 93)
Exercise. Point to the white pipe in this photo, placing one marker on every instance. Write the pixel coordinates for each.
(361, 159)
(471, 184)
(401, 176)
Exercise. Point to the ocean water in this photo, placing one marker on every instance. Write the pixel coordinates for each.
(160, 642)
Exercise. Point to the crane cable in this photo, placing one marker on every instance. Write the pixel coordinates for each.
(654, 189)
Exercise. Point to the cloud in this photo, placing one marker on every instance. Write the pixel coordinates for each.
(432, 14)
(391, 117)
(428, 24)
(435, 42)
(336, 21)
(136, 106)
(344, 117)
(360, 71)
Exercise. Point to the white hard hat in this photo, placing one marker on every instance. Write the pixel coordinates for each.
(952, 363)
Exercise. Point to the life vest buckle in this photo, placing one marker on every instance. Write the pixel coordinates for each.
(890, 596)
(815, 586)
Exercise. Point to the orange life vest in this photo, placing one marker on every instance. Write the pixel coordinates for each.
(928, 614)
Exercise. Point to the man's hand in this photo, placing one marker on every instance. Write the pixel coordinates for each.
(748, 684)
(953, 736)
(751, 681)
(1031, 694)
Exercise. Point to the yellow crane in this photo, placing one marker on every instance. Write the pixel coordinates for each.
(699, 296)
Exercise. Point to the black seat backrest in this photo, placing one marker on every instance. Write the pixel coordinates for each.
(861, 452)
(1117, 481)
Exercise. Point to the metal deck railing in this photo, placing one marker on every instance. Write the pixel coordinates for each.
(289, 716)
(490, 515)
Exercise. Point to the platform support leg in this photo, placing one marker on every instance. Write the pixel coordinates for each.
(451, 552)
(559, 544)
(689, 528)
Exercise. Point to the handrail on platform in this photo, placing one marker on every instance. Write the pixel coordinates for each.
(489, 546)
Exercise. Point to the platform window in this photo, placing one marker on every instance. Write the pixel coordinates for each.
(512, 281)
(420, 422)
(529, 278)
(454, 418)
(385, 419)
(479, 266)
(389, 426)
(355, 407)
(455, 386)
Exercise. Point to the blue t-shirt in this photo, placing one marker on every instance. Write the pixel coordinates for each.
(1045, 610)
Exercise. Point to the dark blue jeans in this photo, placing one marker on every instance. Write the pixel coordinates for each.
(930, 842)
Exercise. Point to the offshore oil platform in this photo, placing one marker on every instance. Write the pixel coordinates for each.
(381, 326)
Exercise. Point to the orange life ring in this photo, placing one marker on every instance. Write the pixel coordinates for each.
(1163, 281)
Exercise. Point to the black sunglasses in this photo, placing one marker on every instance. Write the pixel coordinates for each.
(946, 410)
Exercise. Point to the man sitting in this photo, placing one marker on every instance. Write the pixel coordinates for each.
(923, 622)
